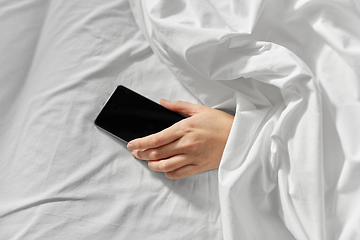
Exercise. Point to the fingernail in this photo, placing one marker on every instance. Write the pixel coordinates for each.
(130, 146)
(133, 154)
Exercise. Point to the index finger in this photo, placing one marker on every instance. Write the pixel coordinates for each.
(155, 140)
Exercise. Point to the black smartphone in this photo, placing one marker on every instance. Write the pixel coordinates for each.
(128, 115)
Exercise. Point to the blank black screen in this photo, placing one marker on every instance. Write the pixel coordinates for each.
(128, 115)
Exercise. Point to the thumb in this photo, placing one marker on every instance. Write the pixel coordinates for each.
(186, 108)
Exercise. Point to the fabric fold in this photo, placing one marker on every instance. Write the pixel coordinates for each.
(271, 176)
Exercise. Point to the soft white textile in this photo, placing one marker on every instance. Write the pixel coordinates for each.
(60, 176)
(291, 71)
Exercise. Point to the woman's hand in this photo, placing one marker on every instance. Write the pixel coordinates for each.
(193, 145)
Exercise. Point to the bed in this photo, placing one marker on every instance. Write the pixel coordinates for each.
(288, 70)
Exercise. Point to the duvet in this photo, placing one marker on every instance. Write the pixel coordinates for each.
(288, 70)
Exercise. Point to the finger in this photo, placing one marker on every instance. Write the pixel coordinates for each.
(181, 107)
(164, 137)
(170, 164)
(182, 172)
(159, 153)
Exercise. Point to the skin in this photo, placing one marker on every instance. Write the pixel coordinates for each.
(191, 146)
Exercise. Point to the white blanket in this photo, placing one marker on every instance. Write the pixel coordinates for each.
(60, 176)
(289, 70)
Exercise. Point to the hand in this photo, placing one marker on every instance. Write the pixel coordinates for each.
(193, 145)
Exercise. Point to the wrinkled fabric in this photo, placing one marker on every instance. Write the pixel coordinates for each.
(290, 70)
(60, 176)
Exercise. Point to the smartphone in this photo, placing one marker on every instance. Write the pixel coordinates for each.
(128, 115)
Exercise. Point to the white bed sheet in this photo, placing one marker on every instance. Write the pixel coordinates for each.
(60, 176)
(289, 69)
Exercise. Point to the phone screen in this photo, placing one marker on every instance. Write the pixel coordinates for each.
(128, 115)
